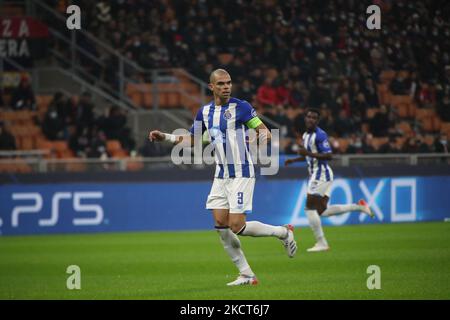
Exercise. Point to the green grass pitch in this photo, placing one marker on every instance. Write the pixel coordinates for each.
(414, 261)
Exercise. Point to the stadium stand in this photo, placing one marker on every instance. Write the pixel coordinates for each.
(283, 58)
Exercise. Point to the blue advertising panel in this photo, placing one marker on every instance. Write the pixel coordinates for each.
(88, 207)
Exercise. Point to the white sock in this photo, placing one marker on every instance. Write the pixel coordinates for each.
(340, 209)
(316, 226)
(232, 246)
(258, 229)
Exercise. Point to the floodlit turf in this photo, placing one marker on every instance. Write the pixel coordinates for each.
(414, 261)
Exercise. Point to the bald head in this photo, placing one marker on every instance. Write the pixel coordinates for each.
(217, 73)
(220, 85)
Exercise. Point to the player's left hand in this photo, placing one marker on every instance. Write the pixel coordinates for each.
(303, 152)
(288, 162)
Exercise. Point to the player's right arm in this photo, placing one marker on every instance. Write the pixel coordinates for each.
(157, 135)
(292, 160)
(197, 128)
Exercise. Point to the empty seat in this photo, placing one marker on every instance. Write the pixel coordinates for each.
(429, 139)
(343, 144)
(386, 76)
(405, 127)
(396, 100)
(26, 143)
(445, 128)
(119, 154)
(422, 113)
(137, 98)
(412, 110)
(42, 101)
(437, 123)
(427, 124)
(402, 110)
(113, 146)
(378, 142)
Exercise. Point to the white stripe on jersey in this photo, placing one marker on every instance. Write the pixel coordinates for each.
(309, 142)
(233, 143)
(249, 158)
(205, 113)
(219, 153)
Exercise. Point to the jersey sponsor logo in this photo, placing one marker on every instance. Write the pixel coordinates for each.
(227, 115)
(325, 144)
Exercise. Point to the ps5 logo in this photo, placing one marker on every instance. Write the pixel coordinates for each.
(57, 198)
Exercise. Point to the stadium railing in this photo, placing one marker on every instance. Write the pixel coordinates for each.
(36, 162)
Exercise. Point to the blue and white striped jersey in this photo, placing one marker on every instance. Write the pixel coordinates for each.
(227, 130)
(317, 142)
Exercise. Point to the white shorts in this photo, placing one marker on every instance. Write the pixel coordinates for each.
(318, 187)
(235, 194)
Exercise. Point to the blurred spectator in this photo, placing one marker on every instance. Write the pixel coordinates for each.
(399, 86)
(53, 125)
(368, 144)
(2, 103)
(103, 12)
(343, 125)
(7, 140)
(359, 106)
(320, 94)
(267, 94)
(326, 119)
(245, 91)
(79, 142)
(127, 141)
(410, 146)
(61, 104)
(114, 124)
(23, 96)
(390, 146)
(379, 124)
(425, 95)
(97, 147)
(278, 115)
(297, 98)
(320, 59)
(370, 93)
(84, 112)
(443, 108)
(423, 147)
(441, 144)
(284, 93)
(356, 145)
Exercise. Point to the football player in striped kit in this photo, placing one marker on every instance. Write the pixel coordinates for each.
(317, 152)
(227, 120)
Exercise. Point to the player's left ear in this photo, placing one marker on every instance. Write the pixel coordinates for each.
(210, 86)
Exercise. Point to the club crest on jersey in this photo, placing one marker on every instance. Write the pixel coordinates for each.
(227, 115)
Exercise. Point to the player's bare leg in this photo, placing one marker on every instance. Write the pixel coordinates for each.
(240, 226)
(320, 208)
(338, 209)
(232, 246)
